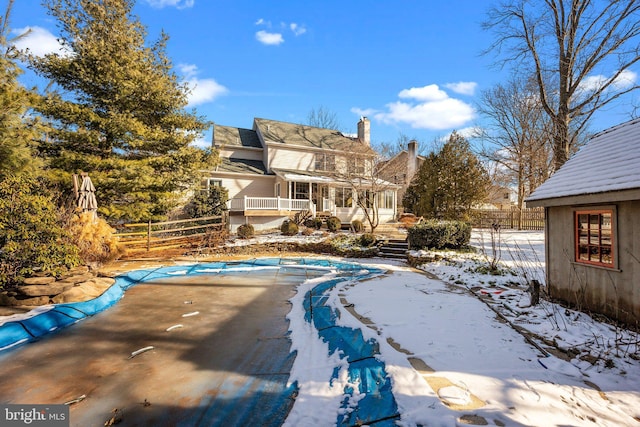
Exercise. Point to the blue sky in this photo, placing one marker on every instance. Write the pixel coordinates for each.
(413, 67)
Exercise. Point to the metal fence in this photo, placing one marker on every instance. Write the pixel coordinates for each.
(525, 219)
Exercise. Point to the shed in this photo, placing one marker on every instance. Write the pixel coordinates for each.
(592, 225)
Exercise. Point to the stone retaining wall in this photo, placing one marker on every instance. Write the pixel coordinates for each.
(78, 284)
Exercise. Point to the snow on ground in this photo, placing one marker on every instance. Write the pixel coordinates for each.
(441, 342)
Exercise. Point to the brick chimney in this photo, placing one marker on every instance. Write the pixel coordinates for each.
(412, 159)
(364, 130)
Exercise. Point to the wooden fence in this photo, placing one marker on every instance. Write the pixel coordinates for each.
(525, 219)
(172, 234)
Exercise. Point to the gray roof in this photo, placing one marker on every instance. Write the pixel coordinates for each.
(227, 135)
(608, 162)
(254, 167)
(303, 135)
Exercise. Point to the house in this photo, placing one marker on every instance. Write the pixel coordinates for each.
(401, 168)
(592, 225)
(276, 169)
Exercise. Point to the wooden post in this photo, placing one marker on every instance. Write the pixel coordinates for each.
(149, 236)
(535, 292)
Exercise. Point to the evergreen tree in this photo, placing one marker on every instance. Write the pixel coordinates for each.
(18, 131)
(118, 111)
(449, 183)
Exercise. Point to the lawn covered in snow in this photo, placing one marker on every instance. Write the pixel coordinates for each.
(469, 349)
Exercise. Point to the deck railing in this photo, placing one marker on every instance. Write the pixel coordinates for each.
(270, 203)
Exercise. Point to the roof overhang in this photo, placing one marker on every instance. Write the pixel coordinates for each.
(587, 199)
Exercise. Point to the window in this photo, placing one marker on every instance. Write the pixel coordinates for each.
(207, 183)
(325, 162)
(344, 197)
(301, 190)
(594, 237)
(385, 199)
(355, 166)
(366, 198)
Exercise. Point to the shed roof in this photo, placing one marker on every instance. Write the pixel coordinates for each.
(608, 162)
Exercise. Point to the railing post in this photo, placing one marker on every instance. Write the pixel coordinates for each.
(149, 236)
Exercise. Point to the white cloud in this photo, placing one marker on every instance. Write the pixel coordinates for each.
(267, 38)
(426, 107)
(202, 90)
(179, 4)
(625, 80)
(467, 133)
(201, 143)
(425, 93)
(297, 29)
(38, 41)
(463, 88)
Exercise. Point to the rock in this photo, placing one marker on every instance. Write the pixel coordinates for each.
(75, 294)
(41, 290)
(44, 280)
(84, 291)
(77, 278)
(75, 271)
(32, 302)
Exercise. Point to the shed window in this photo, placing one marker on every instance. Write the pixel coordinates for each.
(594, 237)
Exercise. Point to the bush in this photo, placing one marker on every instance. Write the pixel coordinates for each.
(246, 231)
(32, 237)
(357, 226)
(435, 234)
(212, 202)
(289, 228)
(314, 223)
(94, 238)
(367, 240)
(333, 223)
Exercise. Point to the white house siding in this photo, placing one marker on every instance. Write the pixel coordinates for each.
(285, 158)
(254, 185)
(242, 153)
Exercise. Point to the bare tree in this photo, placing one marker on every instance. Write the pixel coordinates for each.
(359, 172)
(581, 52)
(517, 134)
(323, 118)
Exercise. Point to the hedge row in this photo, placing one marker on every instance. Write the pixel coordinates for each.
(434, 234)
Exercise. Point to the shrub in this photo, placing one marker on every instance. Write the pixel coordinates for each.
(314, 223)
(246, 231)
(94, 238)
(357, 226)
(289, 228)
(435, 234)
(32, 237)
(210, 202)
(367, 240)
(333, 223)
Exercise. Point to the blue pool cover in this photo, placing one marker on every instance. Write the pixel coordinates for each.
(365, 370)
